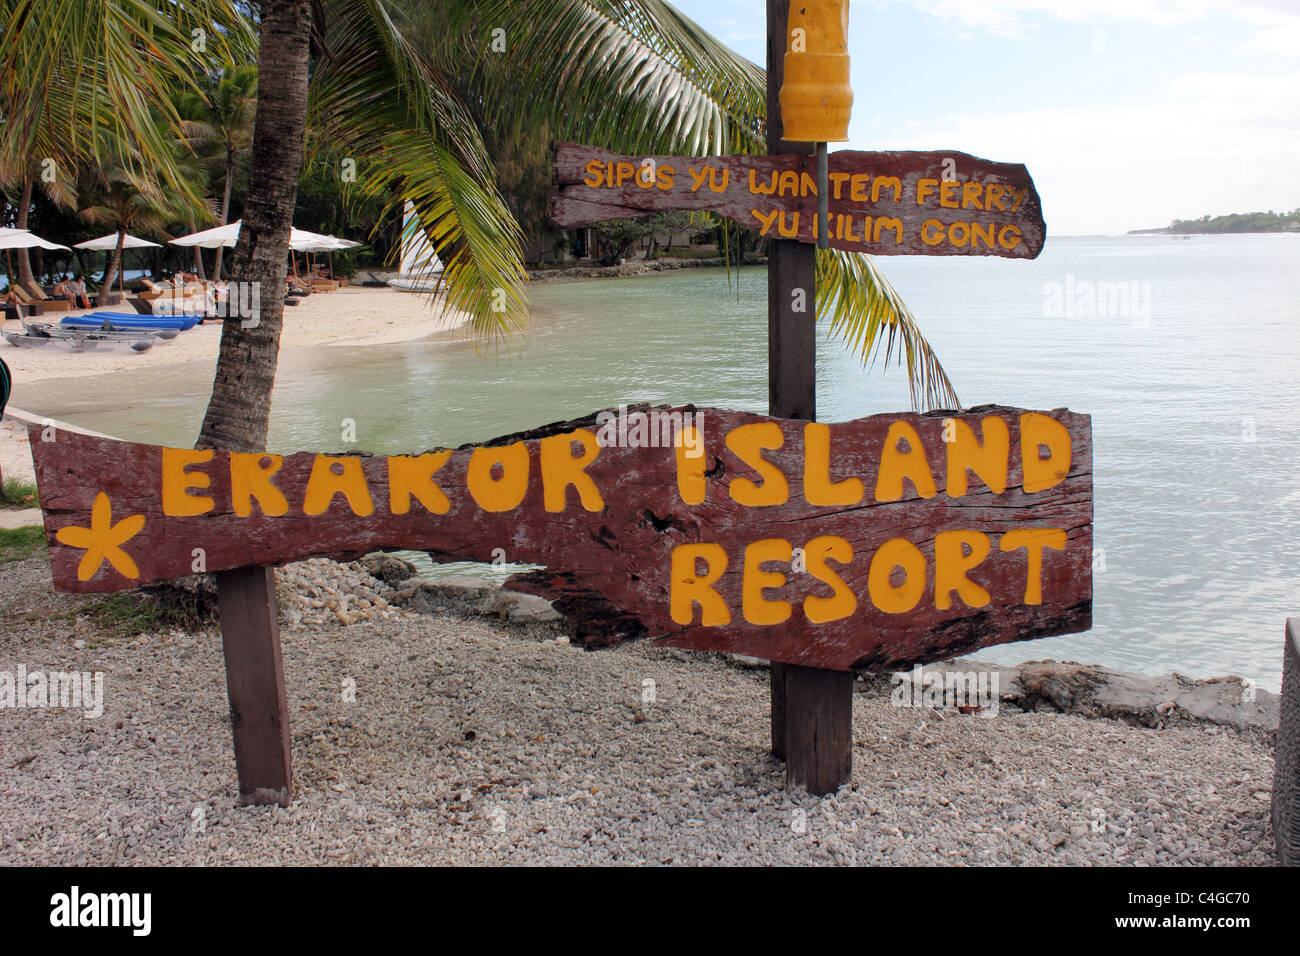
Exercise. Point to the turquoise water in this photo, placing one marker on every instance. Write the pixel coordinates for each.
(1191, 382)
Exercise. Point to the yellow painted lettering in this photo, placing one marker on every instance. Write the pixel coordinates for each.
(747, 443)
(987, 458)
(504, 492)
(897, 466)
(177, 502)
(886, 182)
(1034, 540)
(560, 469)
(692, 483)
(951, 564)
(337, 476)
(412, 477)
(890, 222)
(757, 608)
(1038, 432)
(689, 587)
(885, 595)
(760, 189)
(250, 478)
(818, 489)
(842, 602)
(766, 221)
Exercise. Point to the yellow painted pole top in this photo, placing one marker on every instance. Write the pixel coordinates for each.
(816, 98)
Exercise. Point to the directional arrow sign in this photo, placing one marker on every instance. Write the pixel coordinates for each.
(886, 204)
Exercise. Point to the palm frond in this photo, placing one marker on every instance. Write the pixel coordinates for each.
(868, 314)
(379, 102)
(634, 75)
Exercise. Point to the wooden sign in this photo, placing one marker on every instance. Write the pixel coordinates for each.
(872, 544)
(882, 203)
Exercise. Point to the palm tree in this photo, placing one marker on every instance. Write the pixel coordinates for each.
(218, 124)
(78, 73)
(128, 202)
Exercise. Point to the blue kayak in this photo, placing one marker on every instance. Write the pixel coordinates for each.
(129, 320)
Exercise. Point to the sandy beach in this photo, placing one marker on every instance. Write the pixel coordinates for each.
(351, 316)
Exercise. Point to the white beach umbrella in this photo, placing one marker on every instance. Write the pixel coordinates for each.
(225, 237)
(216, 238)
(109, 243)
(22, 239)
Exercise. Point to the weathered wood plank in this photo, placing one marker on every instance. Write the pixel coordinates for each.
(894, 203)
(611, 568)
(259, 710)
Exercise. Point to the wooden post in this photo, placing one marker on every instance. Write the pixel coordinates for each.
(811, 709)
(259, 712)
(1286, 762)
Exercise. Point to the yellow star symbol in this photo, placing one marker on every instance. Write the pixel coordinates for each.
(103, 540)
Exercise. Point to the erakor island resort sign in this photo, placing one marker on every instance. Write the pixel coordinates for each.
(867, 545)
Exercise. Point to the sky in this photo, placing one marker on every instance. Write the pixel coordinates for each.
(1128, 113)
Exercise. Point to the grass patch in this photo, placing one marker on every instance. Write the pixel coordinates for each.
(149, 612)
(16, 493)
(19, 544)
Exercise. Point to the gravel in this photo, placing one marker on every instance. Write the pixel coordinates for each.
(471, 741)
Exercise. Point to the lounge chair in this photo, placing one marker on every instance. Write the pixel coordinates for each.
(28, 303)
(38, 295)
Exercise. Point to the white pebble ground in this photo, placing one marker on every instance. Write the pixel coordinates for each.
(468, 743)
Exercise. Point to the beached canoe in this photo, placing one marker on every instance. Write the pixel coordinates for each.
(66, 331)
(82, 340)
(127, 320)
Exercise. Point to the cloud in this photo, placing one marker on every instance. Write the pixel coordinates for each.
(1017, 17)
(1222, 143)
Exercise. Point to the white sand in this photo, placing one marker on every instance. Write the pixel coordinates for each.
(349, 317)
(15, 456)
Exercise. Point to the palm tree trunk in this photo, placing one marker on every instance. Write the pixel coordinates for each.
(225, 206)
(239, 412)
(110, 274)
(198, 264)
(25, 276)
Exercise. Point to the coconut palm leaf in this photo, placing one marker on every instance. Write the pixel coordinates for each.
(379, 101)
(114, 60)
(868, 315)
(634, 73)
